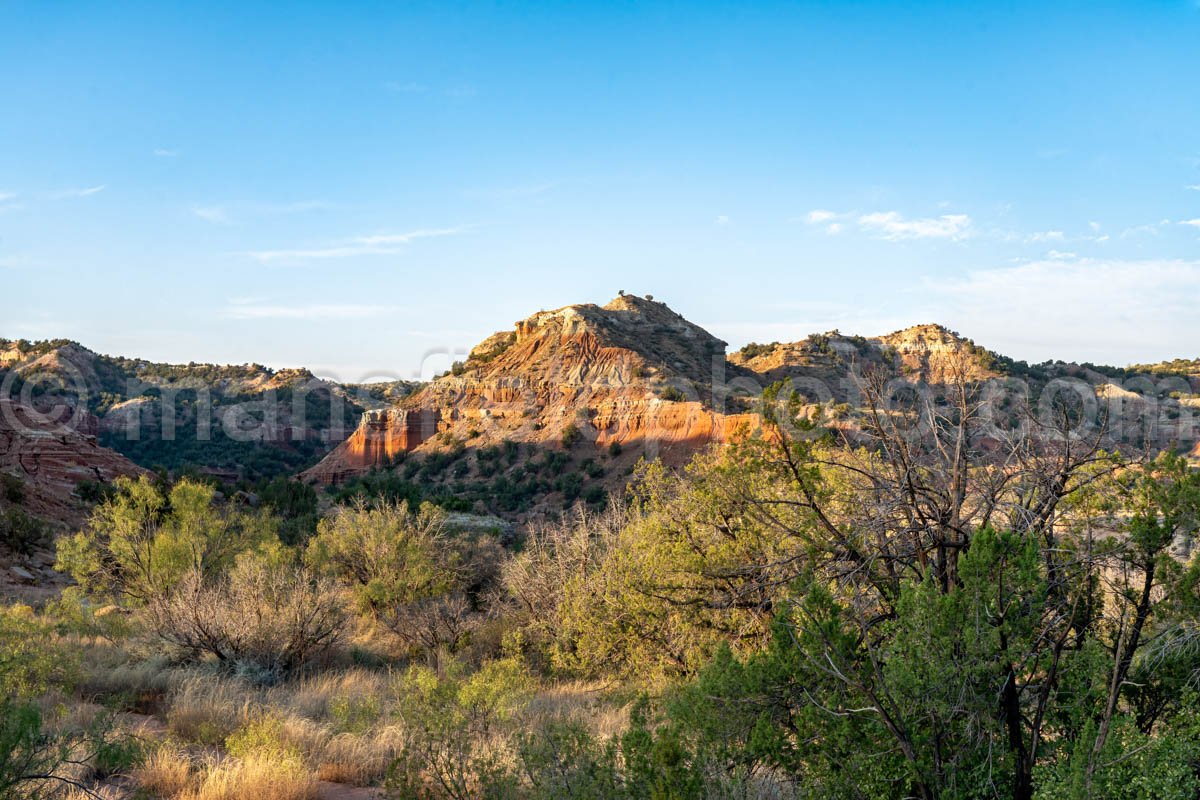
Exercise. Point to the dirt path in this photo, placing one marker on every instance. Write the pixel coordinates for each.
(340, 791)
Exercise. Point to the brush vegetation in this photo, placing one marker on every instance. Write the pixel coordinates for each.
(927, 613)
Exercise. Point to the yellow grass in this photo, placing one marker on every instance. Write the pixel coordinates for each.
(257, 777)
(206, 709)
(166, 772)
(314, 696)
(579, 701)
(361, 760)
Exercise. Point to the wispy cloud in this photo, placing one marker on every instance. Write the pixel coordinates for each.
(1149, 229)
(376, 245)
(8, 202)
(1195, 223)
(1195, 187)
(63, 194)
(510, 192)
(227, 215)
(1046, 236)
(214, 214)
(722, 219)
(893, 226)
(1088, 309)
(832, 221)
(251, 311)
(164, 153)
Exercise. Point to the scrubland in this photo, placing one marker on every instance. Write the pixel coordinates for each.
(791, 616)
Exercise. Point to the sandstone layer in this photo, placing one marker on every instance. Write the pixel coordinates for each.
(52, 456)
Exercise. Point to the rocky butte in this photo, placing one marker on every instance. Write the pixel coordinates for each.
(638, 376)
(632, 373)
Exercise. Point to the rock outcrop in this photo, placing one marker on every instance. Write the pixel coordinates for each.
(830, 366)
(381, 437)
(245, 420)
(632, 373)
(51, 457)
(633, 376)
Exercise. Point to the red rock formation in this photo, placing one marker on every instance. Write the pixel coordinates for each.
(52, 457)
(637, 374)
(606, 371)
(381, 436)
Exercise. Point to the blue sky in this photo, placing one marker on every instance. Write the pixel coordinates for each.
(363, 188)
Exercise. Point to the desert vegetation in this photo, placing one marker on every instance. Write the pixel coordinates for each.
(923, 611)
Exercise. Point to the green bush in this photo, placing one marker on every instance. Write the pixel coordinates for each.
(571, 435)
(570, 484)
(352, 714)
(12, 487)
(595, 495)
(23, 532)
(672, 394)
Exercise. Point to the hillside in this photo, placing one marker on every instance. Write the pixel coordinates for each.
(49, 458)
(928, 353)
(630, 377)
(574, 396)
(245, 421)
(556, 409)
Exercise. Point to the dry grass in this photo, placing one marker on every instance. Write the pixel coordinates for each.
(206, 709)
(109, 671)
(257, 777)
(579, 701)
(77, 717)
(360, 760)
(166, 772)
(317, 697)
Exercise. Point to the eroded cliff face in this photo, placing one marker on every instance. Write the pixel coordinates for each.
(381, 437)
(633, 372)
(52, 456)
(832, 366)
(636, 374)
(937, 355)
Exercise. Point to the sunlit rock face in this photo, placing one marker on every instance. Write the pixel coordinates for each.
(632, 372)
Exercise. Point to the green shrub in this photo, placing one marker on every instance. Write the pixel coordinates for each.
(139, 544)
(30, 663)
(94, 491)
(295, 504)
(570, 484)
(594, 495)
(672, 394)
(117, 755)
(352, 714)
(571, 435)
(12, 487)
(23, 532)
(754, 349)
